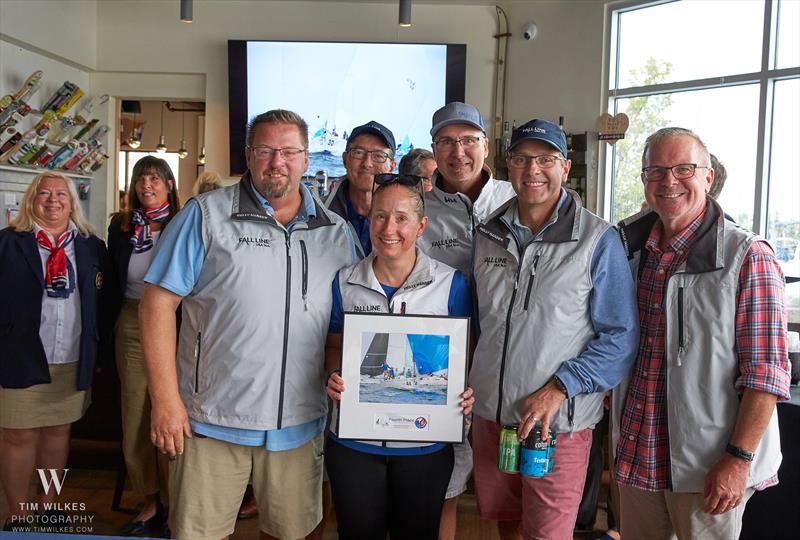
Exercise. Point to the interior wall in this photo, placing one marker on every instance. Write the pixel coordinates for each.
(151, 114)
(166, 46)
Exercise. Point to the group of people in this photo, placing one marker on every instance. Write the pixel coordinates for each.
(229, 316)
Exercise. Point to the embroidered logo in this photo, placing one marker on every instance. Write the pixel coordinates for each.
(254, 241)
(496, 262)
(445, 243)
(367, 309)
(450, 200)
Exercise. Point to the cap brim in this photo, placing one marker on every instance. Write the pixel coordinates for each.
(376, 132)
(435, 129)
(533, 138)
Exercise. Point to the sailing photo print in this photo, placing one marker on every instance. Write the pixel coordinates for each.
(409, 371)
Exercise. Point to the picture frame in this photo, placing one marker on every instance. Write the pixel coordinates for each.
(403, 376)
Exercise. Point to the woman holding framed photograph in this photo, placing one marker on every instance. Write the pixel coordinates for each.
(382, 487)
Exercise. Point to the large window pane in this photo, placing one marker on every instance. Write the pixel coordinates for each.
(698, 38)
(715, 115)
(788, 42)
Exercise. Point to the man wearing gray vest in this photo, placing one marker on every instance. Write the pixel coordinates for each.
(464, 191)
(369, 151)
(251, 265)
(557, 329)
(696, 423)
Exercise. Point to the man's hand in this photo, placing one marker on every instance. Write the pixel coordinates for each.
(467, 401)
(169, 423)
(725, 484)
(542, 405)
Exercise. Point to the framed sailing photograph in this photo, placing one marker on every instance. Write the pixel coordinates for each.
(403, 376)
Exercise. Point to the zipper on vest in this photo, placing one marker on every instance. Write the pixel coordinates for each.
(505, 339)
(571, 415)
(197, 365)
(680, 324)
(285, 328)
(305, 273)
(530, 281)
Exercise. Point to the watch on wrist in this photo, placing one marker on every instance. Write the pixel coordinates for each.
(740, 453)
(561, 386)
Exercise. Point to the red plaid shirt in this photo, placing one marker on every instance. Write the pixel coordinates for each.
(643, 448)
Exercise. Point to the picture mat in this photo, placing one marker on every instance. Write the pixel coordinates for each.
(442, 423)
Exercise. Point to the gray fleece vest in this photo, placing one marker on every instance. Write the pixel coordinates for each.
(453, 218)
(534, 313)
(251, 346)
(700, 360)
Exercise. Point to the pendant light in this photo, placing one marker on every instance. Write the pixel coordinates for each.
(201, 159)
(182, 151)
(186, 11)
(134, 141)
(162, 147)
(404, 18)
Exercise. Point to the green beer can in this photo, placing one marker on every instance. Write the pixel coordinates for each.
(508, 453)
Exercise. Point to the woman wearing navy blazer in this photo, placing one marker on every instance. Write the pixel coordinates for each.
(51, 308)
(132, 237)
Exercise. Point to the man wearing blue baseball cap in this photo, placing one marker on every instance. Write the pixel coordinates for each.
(464, 191)
(558, 328)
(369, 151)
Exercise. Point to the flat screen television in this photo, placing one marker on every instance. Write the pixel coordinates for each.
(337, 86)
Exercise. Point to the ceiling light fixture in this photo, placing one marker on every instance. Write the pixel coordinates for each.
(201, 159)
(182, 151)
(186, 11)
(134, 141)
(162, 147)
(405, 13)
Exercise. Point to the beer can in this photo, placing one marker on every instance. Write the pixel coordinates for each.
(508, 453)
(550, 451)
(533, 461)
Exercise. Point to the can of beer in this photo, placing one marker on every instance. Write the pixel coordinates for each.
(508, 453)
(533, 461)
(550, 451)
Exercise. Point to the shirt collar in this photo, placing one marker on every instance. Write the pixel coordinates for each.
(680, 243)
(515, 220)
(36, 228)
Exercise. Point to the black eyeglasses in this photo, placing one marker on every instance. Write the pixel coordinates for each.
(410, 180)
(682, 171)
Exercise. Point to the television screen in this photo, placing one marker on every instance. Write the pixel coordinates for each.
(338, 86)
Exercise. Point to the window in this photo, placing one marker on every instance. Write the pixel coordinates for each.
(128, 159)
(715, 67)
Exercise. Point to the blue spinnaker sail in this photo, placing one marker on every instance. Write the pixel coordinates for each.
(431, 353)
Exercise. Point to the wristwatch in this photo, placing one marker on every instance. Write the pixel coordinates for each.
(560, 385)
(735, 451)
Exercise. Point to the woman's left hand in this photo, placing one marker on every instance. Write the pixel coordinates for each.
(467, 401)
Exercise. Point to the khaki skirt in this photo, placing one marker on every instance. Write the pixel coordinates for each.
(43, 405)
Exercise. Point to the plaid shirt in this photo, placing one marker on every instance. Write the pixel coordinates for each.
(643, 448)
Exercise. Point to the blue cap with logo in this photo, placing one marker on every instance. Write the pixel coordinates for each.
(374, 128)
(540, 130)
(456, 112)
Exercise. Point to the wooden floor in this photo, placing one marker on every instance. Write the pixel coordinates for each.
(94, 488)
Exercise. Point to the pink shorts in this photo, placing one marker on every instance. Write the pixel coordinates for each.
(546, 506)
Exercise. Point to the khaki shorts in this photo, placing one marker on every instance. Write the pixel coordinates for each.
(208, 481)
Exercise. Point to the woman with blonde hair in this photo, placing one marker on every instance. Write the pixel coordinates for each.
(207, 181)
(51, 310)
(132, 235)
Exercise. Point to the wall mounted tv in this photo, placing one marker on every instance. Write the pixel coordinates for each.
(337, 86)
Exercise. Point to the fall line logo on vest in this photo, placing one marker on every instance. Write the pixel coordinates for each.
(367, 309)
(496, 262)
(254, 241)
(445, 243)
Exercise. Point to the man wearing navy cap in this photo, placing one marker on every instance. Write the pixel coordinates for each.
(557, 329)
(464, 192)
(369, 151)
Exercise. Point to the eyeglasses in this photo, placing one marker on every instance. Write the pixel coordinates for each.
(468, 142)
(521, 161)
(266, 152)
(376, 155)
(410, 180)
(682, 171)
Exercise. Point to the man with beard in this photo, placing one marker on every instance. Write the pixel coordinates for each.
(369, 151)
(252, 265)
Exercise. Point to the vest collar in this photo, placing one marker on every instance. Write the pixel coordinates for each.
(707, 251)
(421, 275)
